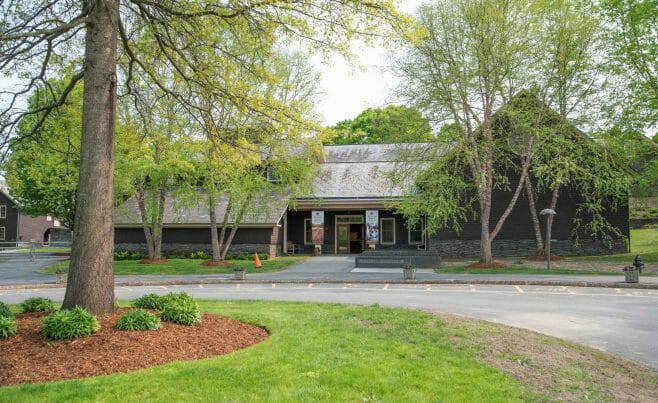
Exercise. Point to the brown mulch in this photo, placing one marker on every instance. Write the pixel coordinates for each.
(153, 261)
(29, 357)
(220, 263)
(496, 264)
(542, 258)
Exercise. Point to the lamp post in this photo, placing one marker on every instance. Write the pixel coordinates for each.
(549, 213)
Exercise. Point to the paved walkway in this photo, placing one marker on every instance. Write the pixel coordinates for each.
(19, 270)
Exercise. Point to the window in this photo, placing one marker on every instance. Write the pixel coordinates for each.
(271, 175)
(3, 211)
(2, 233)
(349, 219)
(387, 231)
(416, 236)
(308, 238)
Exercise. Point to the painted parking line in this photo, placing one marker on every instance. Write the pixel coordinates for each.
(519, 289)
(386, 286)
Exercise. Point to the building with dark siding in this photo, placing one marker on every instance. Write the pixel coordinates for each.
(349, 212)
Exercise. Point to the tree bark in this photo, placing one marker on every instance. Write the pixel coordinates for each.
(549, 222)
(145, 223)
(234, 226)
(91, 279)
(214, 239)
(534, 216)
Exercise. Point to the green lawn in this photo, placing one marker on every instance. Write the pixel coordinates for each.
(189, 266)
(330, 352)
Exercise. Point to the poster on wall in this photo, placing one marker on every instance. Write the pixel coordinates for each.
(317, 227)
(372, 227)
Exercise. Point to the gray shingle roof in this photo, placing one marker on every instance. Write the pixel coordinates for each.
(358, 153)
(266, 211)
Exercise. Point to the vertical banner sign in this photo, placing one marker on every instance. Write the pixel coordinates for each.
(372, 227)
(317, 227)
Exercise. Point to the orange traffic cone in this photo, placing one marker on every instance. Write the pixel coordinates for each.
(258, 263)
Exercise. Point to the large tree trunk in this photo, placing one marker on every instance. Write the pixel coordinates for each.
(214, 239)
(91, 278)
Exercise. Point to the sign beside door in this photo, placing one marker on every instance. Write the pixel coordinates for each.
(317, 228)
(372, 227)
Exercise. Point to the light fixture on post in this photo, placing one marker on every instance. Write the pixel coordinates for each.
(549, 213)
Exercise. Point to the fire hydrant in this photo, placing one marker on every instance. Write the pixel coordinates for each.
(637, 262)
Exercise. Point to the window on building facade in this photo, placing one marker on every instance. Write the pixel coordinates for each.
(416, 234)
(387, 231)
(308, 238)
(271, 175)
(3, 211)
(2, 233)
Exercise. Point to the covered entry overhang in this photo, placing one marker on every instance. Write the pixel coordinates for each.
(348, 226)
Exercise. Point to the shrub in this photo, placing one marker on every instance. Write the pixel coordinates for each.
(69, 324)
(150, 301)
(37, 304)
(199, 255)
(181, 308)
(7, 327)
(138, 319)
(126, 255)
(5, 312)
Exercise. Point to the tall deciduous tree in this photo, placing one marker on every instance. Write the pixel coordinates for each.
(34, 33)
(392, 124)
(568, 75)
(42, 170)
(468, 61)
(633, 50)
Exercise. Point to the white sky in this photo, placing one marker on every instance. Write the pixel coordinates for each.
(349, 89)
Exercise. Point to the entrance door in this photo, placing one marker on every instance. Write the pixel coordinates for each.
(343, 238)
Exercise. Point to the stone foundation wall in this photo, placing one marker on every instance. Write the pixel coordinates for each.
(453, 248)
(181, 248)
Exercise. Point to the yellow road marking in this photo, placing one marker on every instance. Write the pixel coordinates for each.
(519, 289)
(200, 285)
(237, 285)
(273, 285)
(386, 286)
(310, 285)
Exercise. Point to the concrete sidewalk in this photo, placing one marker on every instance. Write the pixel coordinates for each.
(340, 269)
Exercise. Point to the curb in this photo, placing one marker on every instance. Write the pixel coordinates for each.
(548, 283)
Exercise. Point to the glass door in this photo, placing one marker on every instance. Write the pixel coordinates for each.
(343, 238)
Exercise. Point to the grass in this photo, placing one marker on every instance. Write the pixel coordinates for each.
(188, 266)
(330, 352)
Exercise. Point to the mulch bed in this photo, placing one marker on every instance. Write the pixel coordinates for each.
(493, 265)
(29, 357)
